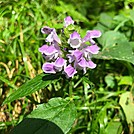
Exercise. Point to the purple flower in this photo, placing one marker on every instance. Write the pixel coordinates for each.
(93, 49)
(46, 30)
(74, 40)
(90, 35)
(91, 65)
(49, 52)
(81, 64)
(70, 71)
(67, 21)
(79, 58)
(75, 55)
(59, 63)
(53, 37)
(43, 48)
(78, 54)
(70, 57)
(48, 68)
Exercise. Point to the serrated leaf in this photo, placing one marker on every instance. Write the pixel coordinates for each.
(40, 81)
(121, 51)
(59, 111)
(127, 103)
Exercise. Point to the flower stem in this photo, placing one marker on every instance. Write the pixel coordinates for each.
(70, 89)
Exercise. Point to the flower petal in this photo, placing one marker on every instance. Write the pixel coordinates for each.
(50, 37)
(67, 21)
(50, 50)
(91, 65)
(46, 30)
(94, 49)
(74, 40)
(48, 68)
(70, 71)
(71, 58)
(78, 54)
(90, 35)
(94, 33)
(60, 62)
(55, 37)
(82, 63)
(43, 48)
(74, 35)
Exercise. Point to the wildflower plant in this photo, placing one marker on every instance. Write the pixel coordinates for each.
(74, 55)
(65, 55)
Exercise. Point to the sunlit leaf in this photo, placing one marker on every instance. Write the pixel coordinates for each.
(127, 103)
(114, 127)
(126, 80)
(109, 79)
(122, 51)
(40, 81)
(111, 38)
(59, 111)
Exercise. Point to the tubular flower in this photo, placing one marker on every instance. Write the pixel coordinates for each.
(90, 35)
(74, 40)
(59, 64)
(69, 71)
(49, 52)
(48, 68)
(52, 35)
(72, 58)
(67, 21)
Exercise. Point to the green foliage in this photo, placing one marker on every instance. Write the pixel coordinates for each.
(115, 44)
(117, 52)
(103, 97)
(126, 101)
(57, 110)
(36, 126)
(39, 82)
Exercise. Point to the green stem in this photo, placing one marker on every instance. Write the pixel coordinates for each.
(70, 89)
(120, 25)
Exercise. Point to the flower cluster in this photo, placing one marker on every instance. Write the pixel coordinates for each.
(79, 53)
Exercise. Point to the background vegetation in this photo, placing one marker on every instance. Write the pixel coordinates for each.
(104, 102)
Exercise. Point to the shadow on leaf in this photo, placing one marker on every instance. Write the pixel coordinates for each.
(51, 77)
(36, 126)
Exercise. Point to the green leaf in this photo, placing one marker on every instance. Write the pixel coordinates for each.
(126, 80)
(114, 127)
(127, 104)
(106, 19)
(40, 81)
(8, 82)
(36, 126)
(68, 8)
(111, 38)
(59, 111)
(109, 79)
(132, 15)
(121, 51)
